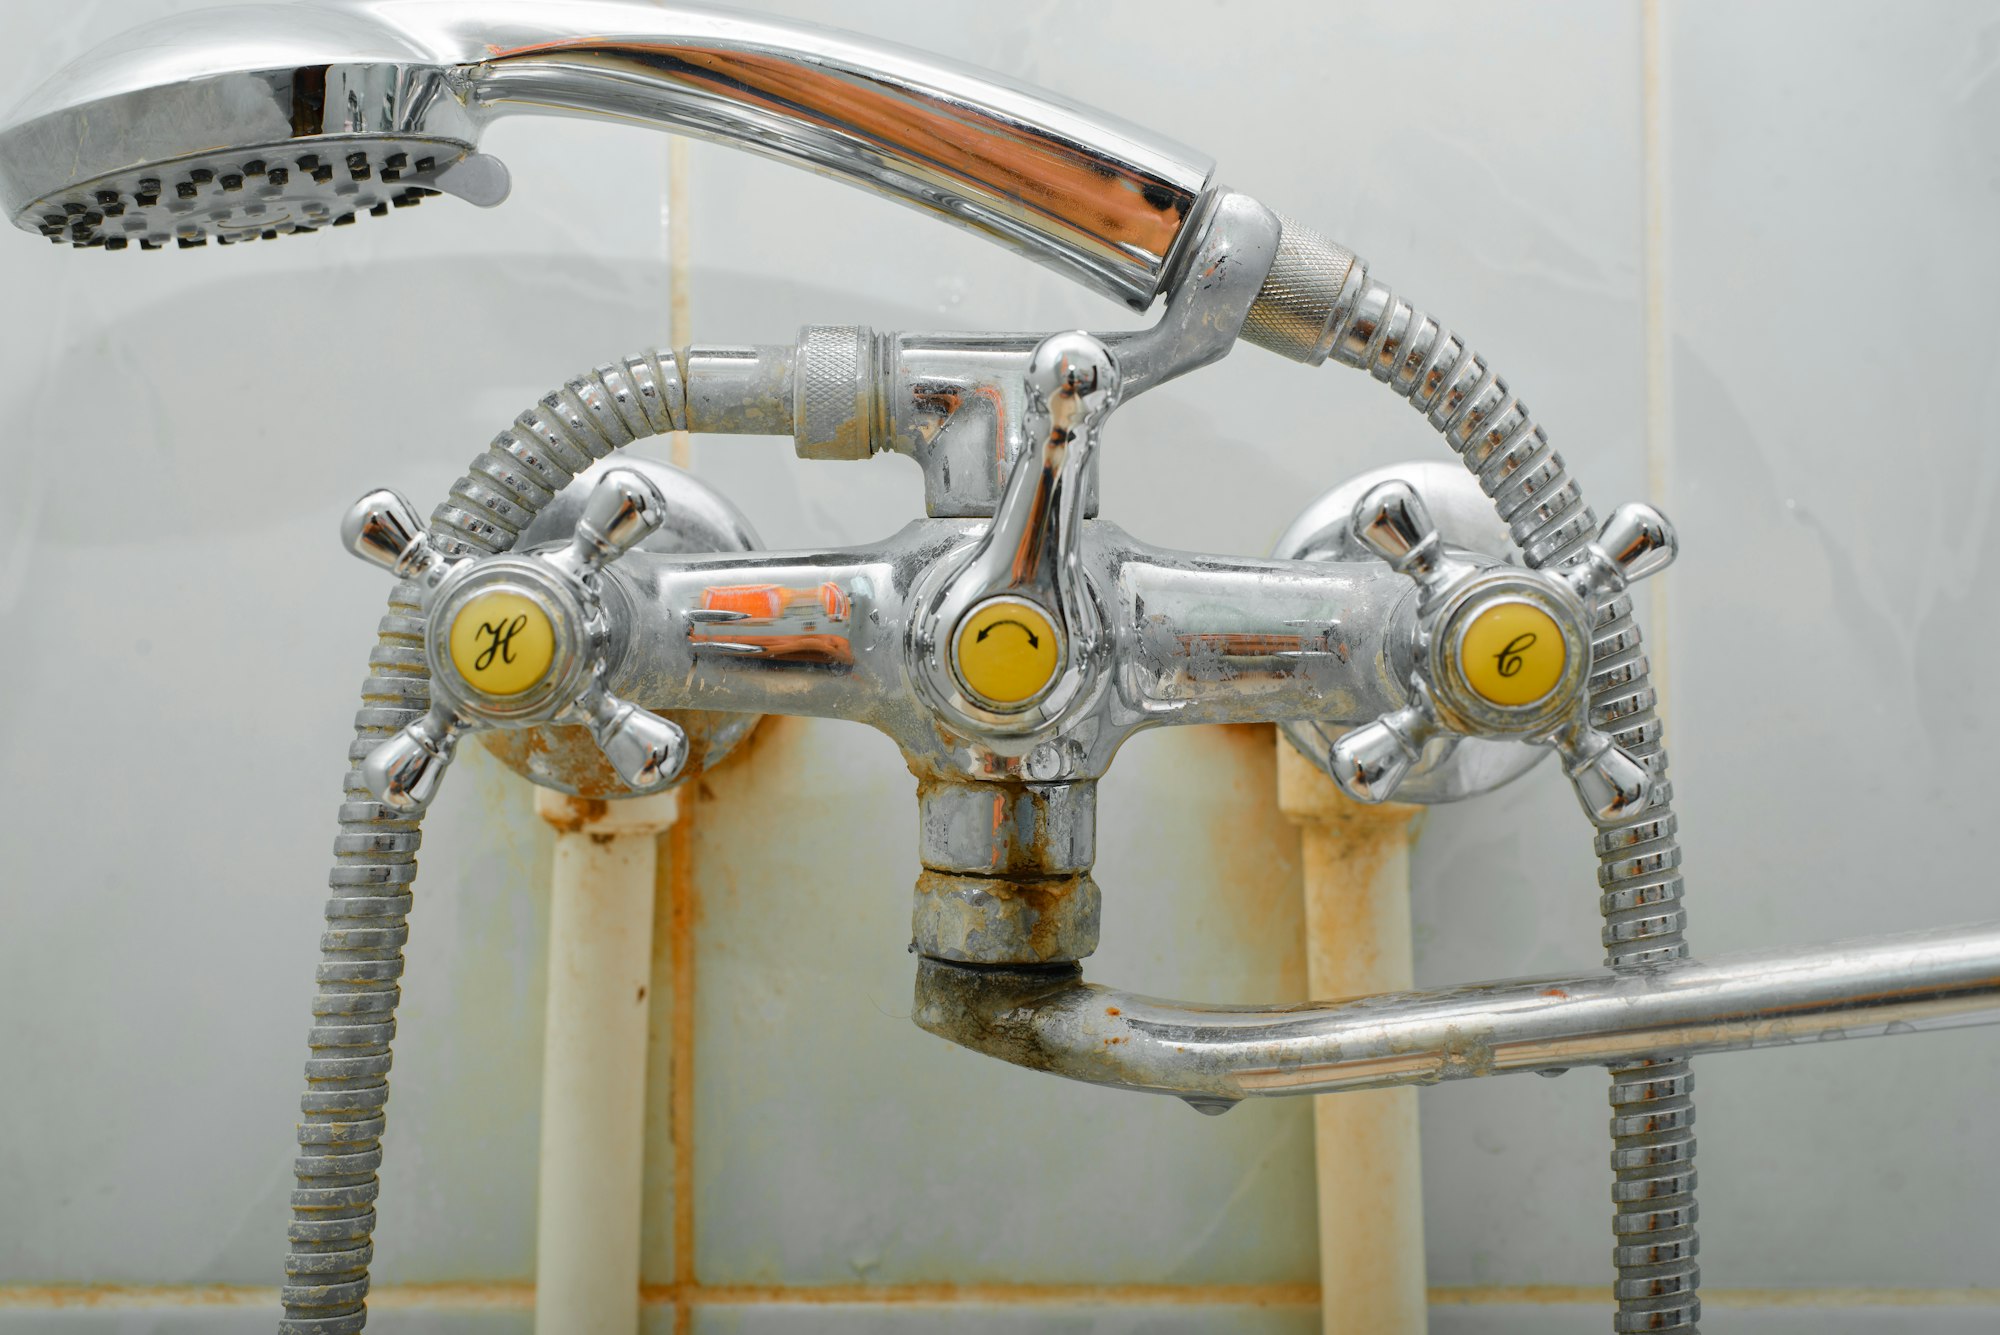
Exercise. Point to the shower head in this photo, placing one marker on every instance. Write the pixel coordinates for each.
(258, 120)
(236, 124)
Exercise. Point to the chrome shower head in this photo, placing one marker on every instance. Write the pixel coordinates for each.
(238, 124)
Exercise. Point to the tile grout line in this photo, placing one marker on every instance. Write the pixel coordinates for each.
(494, 1297)
(681, 1085)
(680, 257)
(680, 841)
(986, 1295)
(1659, 418)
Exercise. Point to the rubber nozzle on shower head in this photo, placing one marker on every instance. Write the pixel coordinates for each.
(239, 124)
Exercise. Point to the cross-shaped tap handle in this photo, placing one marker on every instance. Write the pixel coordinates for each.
(1501, 652)
(515, 640)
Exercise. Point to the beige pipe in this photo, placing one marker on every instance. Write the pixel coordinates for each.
(594, 1060)
(1371, 1216)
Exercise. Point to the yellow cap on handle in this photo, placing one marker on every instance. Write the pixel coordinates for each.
(1512, 654)
(1007, 651)
(502, 643)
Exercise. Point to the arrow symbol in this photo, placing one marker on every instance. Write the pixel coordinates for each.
(1033, 642)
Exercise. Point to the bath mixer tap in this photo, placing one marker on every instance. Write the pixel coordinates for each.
(1012, 638)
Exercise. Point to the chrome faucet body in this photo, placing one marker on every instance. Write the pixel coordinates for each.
(1010, 640)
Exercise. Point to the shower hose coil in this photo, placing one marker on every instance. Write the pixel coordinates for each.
(375, 853)
(1360, 322)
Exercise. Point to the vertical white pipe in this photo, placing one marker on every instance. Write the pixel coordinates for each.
(594, 1060)
(1356, 861)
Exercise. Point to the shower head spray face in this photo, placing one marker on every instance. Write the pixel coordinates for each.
(245, 195)
(238, 124)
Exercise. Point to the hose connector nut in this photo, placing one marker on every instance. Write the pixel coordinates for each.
(833, 393)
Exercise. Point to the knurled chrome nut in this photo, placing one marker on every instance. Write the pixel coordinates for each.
(833, 392)
(1459, 705)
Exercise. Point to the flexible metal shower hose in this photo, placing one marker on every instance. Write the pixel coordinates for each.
(1319, 302)
(375, 853)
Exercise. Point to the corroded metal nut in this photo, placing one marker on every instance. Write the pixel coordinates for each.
(987, 920)
(1004, 829)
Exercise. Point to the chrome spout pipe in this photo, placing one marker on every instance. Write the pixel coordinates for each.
(1051, 1020)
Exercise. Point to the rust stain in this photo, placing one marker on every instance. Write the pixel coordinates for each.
(566, 751)
(1007, 858)
(759, 738)
(1249, 850)
(657, 1219)
(578, 812)
(140, 1297)
(999, 1295)
(683, 916)
(63, 1296)
(407, 1297)
(1038, 901)
(991, 394)
(999, 823)
(934, 401)
(1112, 1010)
(1352, 918)
(1045, 899)
(521, 1297)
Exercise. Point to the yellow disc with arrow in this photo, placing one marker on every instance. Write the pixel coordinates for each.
(1008, 651)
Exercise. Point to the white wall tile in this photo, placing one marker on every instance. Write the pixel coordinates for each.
(183, 431)
(1834, 474)
(1582, 1319)
(1038, 1319)
(837, 1144)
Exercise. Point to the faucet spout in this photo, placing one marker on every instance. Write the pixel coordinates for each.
(1049, 1019)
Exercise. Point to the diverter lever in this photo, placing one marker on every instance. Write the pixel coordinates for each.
(1014, 631)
